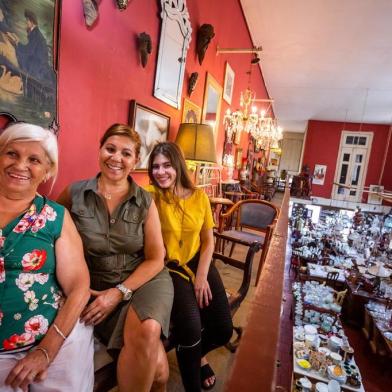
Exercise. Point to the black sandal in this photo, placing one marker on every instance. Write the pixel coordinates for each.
(205, 373)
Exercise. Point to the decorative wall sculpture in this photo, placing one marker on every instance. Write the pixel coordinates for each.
(145, 47)
(192, 82)
(122, 4)
(204, 36)
(90, 11)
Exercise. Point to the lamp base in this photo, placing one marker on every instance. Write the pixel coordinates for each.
(230, 172)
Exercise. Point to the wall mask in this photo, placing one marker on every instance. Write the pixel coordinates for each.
(90, 11)
(192, 82)
(145, 47)
(204, 36)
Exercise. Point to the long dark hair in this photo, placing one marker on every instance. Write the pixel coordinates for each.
(174, 154)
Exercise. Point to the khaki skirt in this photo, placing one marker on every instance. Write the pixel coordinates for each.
(153, 300)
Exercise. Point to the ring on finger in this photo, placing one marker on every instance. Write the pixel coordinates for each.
(33, 374)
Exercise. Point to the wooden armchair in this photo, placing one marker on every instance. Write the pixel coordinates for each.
(236, 297)
(257, 215)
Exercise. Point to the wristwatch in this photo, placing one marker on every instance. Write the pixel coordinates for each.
(126, 292)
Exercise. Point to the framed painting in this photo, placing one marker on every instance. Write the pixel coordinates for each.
(228, 84)
(319, 174)
(28, 46)
(152, 127)
(191, 113)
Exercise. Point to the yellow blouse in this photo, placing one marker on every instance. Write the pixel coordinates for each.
(181, 227)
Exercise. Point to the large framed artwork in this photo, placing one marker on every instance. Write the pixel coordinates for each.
(191, 113)
(28, 46)
(152, 127)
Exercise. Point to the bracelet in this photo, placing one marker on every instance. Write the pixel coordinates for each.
(45, 352)
(58, 330)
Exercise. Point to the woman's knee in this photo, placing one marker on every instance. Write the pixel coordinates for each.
(187, 333)
(225, 333)
(145, 338)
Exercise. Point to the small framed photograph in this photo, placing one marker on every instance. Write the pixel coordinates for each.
(191, 113)
(229, 84)
(319, 174)
(152, 127)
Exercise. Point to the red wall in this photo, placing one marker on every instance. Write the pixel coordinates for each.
(322, 147)
(99, 73)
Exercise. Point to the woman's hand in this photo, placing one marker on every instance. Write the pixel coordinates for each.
(104, 304)
(202, 291)
(30, 368)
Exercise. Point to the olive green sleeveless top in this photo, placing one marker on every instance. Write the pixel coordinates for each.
(113, 245)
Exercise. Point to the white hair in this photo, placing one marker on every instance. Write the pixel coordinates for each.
(24, 132)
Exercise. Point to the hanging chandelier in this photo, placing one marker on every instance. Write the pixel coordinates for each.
(259, 125)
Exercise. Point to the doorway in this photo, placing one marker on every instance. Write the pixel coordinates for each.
(351, 167)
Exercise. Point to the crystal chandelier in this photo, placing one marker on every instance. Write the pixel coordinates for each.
(262, 128)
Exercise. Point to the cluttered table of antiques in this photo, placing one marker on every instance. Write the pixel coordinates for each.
(343, 263)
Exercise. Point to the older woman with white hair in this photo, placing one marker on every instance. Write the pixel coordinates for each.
(44, 280)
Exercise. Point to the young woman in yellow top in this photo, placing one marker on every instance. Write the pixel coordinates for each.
(201, 313)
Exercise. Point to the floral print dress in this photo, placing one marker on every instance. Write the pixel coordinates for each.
(29, 292)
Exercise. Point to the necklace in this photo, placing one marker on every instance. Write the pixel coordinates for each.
(108, 195)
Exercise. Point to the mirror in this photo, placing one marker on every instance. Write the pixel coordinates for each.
(173, 46)
(212, 103)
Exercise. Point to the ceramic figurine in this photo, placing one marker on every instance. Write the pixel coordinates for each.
(145, 47)
(204, 36)
(90, 10)
(192, 82)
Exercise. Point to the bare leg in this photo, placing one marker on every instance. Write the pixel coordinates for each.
(162, 371)
(139, 358)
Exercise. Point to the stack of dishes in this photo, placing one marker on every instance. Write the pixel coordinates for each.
(336, 372)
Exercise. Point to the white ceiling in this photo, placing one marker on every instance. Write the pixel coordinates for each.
(325, 59)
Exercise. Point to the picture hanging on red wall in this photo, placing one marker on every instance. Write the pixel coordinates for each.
(229, 84)
(28, 45)
(152, 127)
(191, 113)
(319, 174)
